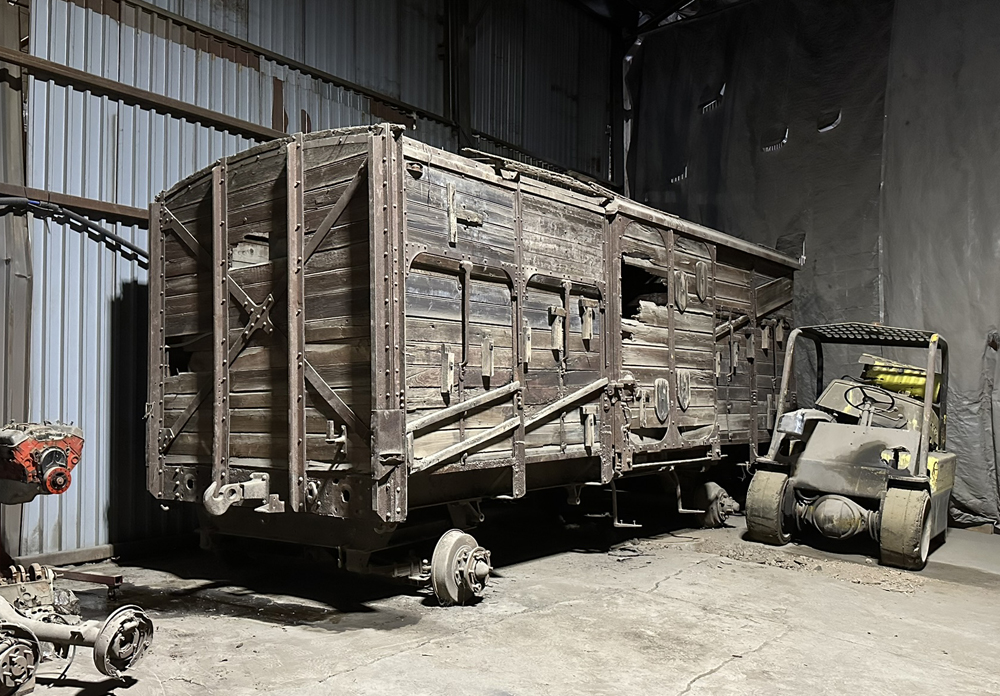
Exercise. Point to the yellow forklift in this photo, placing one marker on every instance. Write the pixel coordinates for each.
(868, 457)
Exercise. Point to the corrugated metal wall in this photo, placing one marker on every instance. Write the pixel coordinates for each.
(88, 338)
(541, 80)
(15, 253)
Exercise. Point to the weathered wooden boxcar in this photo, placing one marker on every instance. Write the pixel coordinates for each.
(349, 325)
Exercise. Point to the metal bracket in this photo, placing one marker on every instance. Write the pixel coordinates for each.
(587, 310)
(661, 388)
(672, 475)
(614, 511)
(557, 317)
(589, 417)
(166, 437)
(335, 438)
(447, 370)
(452, 217)
(486, 356)
(272, 504)
(217, 499)
(465, 514)
(469, 217)
(527, 343)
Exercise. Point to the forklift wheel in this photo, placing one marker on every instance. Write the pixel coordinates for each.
(765, 508)
(905, 528)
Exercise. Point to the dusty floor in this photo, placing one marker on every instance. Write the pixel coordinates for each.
(586, 612)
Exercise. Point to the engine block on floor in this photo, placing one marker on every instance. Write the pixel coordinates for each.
(37, 458)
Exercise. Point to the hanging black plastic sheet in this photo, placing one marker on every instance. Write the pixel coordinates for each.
(767, 120)
(941, 217)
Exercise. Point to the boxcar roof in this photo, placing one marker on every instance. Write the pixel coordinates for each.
(544, 182)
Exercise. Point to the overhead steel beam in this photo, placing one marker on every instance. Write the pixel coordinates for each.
(102, 210)
(655, 20)
(46, 69)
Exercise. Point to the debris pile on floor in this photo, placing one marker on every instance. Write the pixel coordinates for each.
(887, 579)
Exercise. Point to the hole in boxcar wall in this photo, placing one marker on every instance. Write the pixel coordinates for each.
(179, 358)
(638, 284)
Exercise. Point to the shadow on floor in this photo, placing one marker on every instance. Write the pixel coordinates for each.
(289, 584)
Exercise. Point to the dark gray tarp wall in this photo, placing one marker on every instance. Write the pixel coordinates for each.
(727, 114)
(769, 121)
(941, 215)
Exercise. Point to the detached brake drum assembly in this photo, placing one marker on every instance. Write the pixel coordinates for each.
(37, 459)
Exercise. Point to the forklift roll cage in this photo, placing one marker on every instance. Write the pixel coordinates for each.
(856, 333)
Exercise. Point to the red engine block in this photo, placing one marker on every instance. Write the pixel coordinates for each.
(40, 455)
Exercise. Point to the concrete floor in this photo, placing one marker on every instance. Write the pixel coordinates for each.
(585, 611)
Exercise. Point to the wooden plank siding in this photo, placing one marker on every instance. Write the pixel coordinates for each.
(504, 270)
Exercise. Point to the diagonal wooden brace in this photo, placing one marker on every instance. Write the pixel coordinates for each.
(260, 318)
(462, 407)
(560, 405)
(205, 259)
(336, 212)
(185, 237)
(333, 400)
(465, 445)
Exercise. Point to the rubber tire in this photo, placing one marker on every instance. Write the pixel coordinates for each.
(765, 508)
(905, 528)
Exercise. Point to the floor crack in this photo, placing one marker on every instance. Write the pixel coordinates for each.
(676, 573)
(450, 636)
(708, 673)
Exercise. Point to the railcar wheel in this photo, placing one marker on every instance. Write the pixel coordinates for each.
(460, 568)
(905, 528)
(717, 504)
(765, 508)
